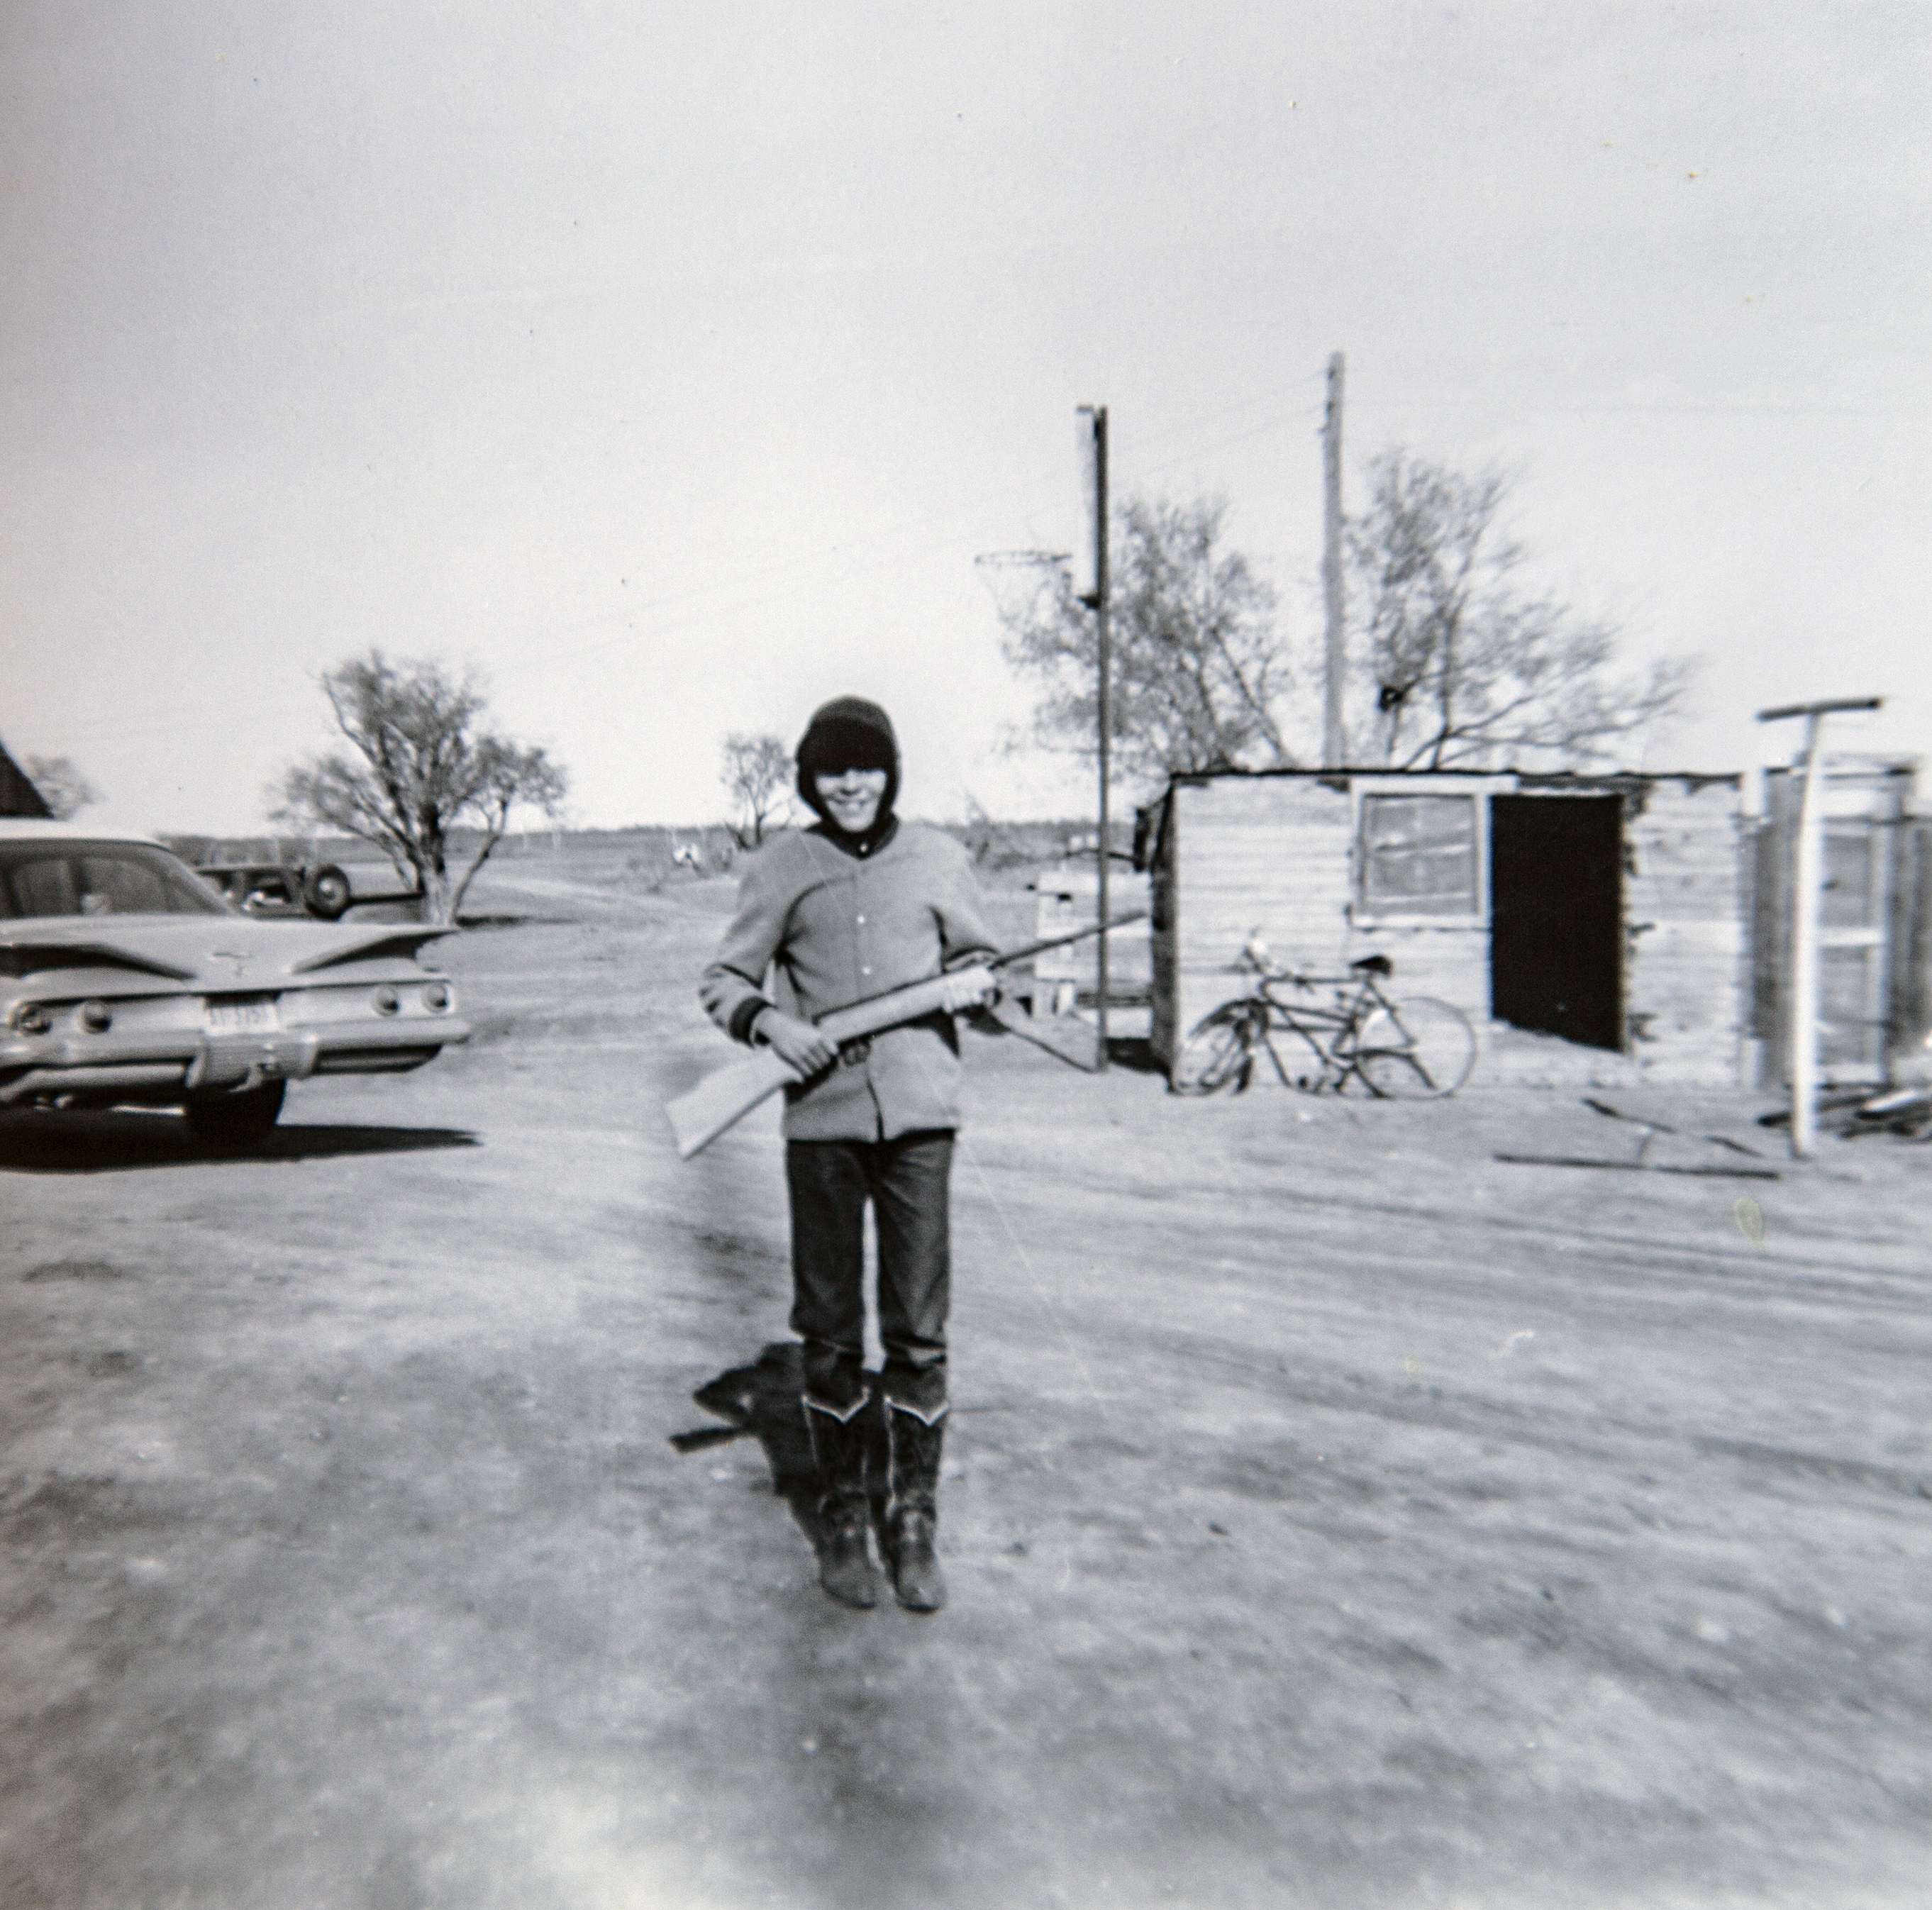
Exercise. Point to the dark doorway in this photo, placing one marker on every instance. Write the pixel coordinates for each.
(1556, 890)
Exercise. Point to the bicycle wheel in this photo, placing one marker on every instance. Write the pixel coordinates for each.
(1218, 1053)
(1418, 1050)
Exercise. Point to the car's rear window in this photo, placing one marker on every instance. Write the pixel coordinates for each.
(98, 878)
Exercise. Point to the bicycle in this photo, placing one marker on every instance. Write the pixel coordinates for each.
(1418, 1049)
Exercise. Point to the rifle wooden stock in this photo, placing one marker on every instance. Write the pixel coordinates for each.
(698, 1118)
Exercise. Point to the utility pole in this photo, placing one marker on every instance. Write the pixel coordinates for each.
(1093, 448)
(1802, 1057)
(1333, 748)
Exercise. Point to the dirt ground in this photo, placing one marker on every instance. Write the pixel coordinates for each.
(1334, 1515)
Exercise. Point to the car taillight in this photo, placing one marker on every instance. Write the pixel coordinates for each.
(96, 1017)
(385, 1001)
(436, 997)
(31, 1018)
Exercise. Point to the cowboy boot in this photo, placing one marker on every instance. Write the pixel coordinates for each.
(912, 1506)
(839, 1447)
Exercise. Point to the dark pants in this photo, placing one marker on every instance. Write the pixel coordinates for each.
(906, 1181)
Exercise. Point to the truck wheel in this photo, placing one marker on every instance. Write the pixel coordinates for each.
(327, 892)
(240, 1120)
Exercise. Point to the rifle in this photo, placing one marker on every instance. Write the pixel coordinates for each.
(698, 1118)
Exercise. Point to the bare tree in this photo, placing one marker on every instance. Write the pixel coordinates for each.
(509, 775)
(63, 788)
(758, 777)
(1199, 668)
(1466, 667)
(422, 765)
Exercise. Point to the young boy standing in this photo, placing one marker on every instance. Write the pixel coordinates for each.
(859, 903)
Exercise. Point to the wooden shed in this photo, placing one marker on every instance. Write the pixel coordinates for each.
(1612, 911)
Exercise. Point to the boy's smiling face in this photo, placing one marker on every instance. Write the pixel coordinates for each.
(853, 797)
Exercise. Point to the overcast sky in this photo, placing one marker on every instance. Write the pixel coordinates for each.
(673, 363)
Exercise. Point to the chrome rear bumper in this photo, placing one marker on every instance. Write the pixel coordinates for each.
(137, 1080)
(218, 1062)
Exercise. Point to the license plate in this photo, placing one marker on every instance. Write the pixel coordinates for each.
(242, 1017)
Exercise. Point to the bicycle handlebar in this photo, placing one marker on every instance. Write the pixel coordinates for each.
(1271, 971)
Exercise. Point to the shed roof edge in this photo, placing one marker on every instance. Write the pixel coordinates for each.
(1608, 779)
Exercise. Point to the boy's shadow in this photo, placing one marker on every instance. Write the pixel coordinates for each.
(762, 1402)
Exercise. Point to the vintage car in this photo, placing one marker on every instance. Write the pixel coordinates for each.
(282, 888)
(126, 978)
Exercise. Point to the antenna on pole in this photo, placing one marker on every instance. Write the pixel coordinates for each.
(1807, 884)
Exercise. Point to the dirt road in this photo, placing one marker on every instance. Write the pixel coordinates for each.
(1336, 1516)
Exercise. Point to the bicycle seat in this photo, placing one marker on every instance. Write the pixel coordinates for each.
(1374, 965)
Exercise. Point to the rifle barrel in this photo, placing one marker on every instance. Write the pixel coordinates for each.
(1002, 960)
(1061, 941)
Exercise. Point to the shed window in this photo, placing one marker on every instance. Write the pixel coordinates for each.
(1419, 855)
